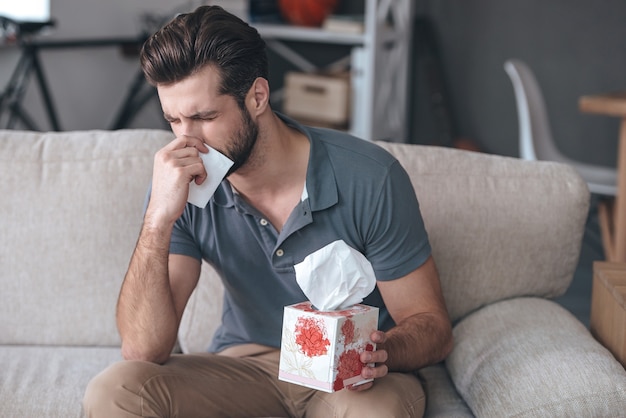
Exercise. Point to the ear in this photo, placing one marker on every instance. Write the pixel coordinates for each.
(258, 99)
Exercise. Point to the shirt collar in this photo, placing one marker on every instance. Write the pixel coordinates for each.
(321, 185)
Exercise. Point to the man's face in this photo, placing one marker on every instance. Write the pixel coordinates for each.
(194, 108)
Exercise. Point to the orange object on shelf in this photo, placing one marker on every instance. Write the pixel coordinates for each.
(306, 12)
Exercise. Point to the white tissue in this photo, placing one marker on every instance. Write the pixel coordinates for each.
(216, 166)
(335, 277)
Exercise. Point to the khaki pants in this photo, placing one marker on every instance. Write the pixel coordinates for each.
(241, 383)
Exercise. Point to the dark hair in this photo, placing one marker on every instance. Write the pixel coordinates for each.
(207, 36)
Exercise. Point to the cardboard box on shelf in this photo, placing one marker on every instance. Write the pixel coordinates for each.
(318, 98)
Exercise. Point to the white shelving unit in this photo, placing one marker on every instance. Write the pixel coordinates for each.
(379, 61)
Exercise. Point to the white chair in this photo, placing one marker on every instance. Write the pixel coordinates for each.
(535, 134)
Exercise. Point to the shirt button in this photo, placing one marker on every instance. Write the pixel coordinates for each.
(263, 222)
(280, 252)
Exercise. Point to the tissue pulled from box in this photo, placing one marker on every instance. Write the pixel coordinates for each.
(335, 277)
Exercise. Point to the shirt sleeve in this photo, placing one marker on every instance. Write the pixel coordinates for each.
(396, 239)
(182, 241)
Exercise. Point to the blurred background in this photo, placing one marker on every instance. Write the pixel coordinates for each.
(575, 47)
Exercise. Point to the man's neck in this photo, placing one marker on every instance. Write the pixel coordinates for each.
(273, 180)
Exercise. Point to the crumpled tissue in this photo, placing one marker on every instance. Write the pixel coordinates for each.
(335, 277)
(216, 165)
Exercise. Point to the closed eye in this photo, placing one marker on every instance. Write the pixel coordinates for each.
(203, 116)
(170, 119)
(199, 117)
(208, 116)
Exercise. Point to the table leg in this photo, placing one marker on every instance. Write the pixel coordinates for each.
(606, 220)
(620, 200)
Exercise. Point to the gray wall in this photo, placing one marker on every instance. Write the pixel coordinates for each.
(576, 47)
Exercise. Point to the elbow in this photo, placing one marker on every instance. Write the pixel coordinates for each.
(446, 340)
(136, 354)
(447, 345)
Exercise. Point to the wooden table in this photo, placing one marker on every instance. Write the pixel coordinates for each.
(612, 219)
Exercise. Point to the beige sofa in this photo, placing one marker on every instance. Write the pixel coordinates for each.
(505, 234)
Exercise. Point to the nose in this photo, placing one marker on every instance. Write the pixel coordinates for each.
(188, 128)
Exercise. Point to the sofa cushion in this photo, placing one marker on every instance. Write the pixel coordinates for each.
(71, 209)
(48, 381)
(529, 357)
(499, 227)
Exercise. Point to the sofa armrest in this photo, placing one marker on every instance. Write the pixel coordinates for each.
(530, 357)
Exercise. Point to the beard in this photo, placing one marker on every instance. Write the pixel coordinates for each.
(242, 144)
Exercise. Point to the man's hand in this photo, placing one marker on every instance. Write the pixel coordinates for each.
(175, 166)
(378, 357)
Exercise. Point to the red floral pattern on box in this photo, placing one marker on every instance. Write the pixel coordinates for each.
(347, 330)
(311, 337)
(350, 365)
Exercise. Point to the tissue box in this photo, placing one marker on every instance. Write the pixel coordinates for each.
(321, 349)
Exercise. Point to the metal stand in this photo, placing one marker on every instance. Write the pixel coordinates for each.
(139, 93)
(11, 109)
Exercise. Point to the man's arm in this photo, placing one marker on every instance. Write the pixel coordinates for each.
(152, 301)
(157, 285)
(423, 332)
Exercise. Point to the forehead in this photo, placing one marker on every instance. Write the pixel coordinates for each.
(200, 89)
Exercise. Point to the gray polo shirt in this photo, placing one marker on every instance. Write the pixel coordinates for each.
(356, 192)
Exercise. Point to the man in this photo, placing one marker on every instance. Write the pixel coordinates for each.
(291, 191)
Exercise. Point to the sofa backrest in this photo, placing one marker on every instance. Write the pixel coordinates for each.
(70, 213)
(500, 227)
